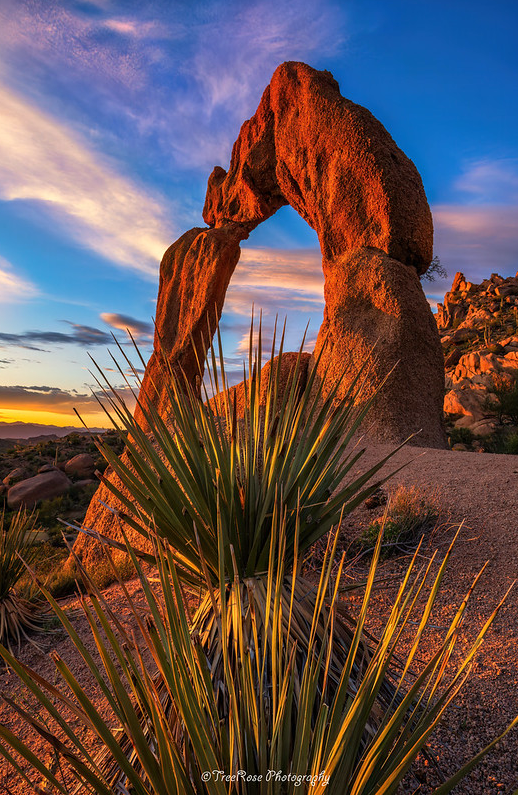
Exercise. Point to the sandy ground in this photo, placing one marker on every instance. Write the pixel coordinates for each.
(482, 490)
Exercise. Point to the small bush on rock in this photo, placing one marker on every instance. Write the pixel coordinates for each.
(503, 398)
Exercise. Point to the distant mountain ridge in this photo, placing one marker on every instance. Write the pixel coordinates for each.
(35, 431)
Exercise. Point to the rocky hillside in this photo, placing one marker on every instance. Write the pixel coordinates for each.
(478, 325)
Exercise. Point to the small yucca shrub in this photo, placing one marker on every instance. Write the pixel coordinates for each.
(19, 614)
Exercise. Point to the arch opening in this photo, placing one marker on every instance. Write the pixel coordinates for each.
(279, 273)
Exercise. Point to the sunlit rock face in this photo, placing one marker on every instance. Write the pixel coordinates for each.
(338, 167)
(334, 163)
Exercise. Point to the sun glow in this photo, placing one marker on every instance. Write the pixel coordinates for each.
(93, 419)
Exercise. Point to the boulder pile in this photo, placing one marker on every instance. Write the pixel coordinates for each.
(478, 326)
(25, 491)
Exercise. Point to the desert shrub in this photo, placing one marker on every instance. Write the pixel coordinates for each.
(271, 673)
(208, 466)
(49, 509)
(434, 271)
(100, 463)
(503, 398)
(461, 436)
(410, 514)
(75, 500)
(511, 447)
(502, 441)
(19, 614)
(214, 477)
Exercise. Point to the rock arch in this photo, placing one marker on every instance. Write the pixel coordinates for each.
(339, 168)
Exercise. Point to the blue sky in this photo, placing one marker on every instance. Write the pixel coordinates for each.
(114, 114)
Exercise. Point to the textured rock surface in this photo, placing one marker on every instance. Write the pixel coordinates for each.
(338, 167)
(40, 487)
(478, 325)
(376, 312)
(14, 476)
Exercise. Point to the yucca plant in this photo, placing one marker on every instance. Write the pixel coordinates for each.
(209, 482)
(239, 735)
(18, 615)
(205, 466)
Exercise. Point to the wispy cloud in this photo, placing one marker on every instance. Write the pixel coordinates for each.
(84, 336)
(478, 234)
(43, 161)
(263, 34)
(233, 58)
(477, 240)
(277, 281)
(283, 283)
(14, 288)
(140, 331)
(52, 32)
(490, 181)
(294, 269)
(181, 81)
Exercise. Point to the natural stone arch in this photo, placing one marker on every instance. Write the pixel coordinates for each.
(339, 168)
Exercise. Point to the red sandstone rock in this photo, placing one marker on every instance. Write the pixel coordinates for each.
(376, 312)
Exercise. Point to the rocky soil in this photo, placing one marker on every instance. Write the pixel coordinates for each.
(482, 492)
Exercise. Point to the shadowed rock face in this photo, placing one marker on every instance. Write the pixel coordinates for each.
(334, 163)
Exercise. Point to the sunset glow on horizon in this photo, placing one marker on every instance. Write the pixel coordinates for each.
(58, 419)
(114, 114)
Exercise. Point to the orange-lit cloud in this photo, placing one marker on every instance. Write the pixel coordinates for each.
(299, 269)
(39, 398)
(277, 281)
(140, 331)
(52, 405)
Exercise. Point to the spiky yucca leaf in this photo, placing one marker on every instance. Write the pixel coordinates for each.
(246, 722)
(204, 465)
